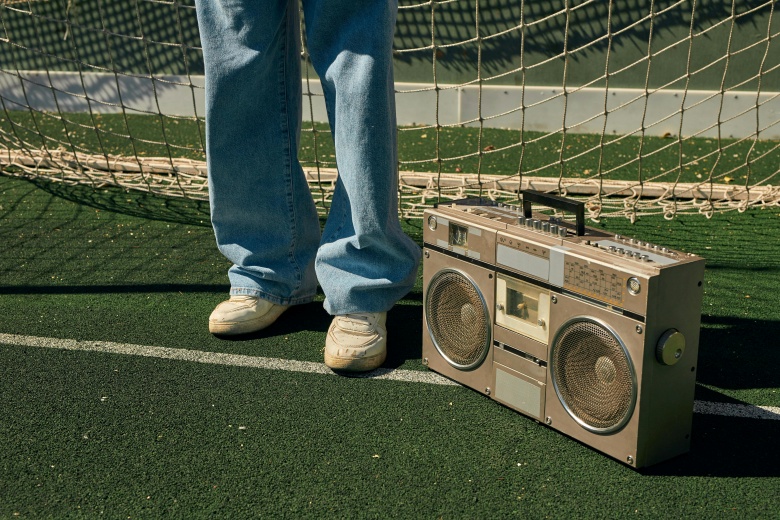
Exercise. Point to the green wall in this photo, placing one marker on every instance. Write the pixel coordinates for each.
(62, 35)
(457, 22)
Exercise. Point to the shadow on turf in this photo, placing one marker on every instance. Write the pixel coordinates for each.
(134, 203)
(724, 446)
(736, 353)
(404, 323)
(115, 289)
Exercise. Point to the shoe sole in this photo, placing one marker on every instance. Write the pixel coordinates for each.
(223, 328)
(364, 364)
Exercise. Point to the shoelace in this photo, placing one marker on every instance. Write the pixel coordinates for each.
(357, 322)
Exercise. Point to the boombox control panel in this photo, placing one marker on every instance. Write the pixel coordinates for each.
(592, 333)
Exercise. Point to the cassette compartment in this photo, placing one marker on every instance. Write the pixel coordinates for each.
(522, 307)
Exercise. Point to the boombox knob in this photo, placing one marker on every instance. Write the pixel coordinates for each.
(670, 347)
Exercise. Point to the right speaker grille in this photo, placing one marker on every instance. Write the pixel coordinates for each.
(593, 375)
(457, 318)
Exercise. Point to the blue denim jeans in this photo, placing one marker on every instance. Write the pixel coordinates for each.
(262, 211)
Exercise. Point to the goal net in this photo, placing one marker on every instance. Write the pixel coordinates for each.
(638, 106)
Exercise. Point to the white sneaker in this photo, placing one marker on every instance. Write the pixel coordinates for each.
(357, 342)
(243, 314)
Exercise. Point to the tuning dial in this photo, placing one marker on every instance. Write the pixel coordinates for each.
(670, 348)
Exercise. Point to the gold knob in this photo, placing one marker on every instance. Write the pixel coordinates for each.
(671, 347)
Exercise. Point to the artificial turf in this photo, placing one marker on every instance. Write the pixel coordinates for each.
(86, 434)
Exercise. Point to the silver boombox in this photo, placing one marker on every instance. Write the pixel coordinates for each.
(594, 334)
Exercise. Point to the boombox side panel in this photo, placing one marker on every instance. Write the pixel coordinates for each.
(667, 408)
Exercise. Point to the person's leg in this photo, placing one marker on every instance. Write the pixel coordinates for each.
(365, 262)
(263, 215)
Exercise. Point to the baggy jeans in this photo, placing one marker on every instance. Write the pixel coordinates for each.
(264, 218)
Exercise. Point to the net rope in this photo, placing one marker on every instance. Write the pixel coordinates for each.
(85, 87)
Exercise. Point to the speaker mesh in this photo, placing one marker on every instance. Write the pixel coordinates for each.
(457, 319)
(593, 375)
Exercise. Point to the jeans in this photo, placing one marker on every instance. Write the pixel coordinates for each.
(262, 211)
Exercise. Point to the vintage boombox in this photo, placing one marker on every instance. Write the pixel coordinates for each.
(594, 334)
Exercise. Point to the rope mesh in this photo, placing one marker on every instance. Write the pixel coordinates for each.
(86, 89)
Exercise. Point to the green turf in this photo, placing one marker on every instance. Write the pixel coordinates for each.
(493, 151)
(87, 434)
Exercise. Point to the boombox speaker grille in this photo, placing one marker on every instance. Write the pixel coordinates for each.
(458, 320)
(593, 375)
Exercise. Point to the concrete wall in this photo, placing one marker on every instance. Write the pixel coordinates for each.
(742, 113)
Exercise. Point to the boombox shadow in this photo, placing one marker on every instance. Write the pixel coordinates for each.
(723, 446)
(736, 353)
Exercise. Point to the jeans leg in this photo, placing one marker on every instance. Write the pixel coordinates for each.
(264, 219)
(365, 261)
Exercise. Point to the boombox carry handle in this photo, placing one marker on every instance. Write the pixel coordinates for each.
(556, 202)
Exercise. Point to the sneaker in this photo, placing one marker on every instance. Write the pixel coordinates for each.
(356, 342)
(243, 314)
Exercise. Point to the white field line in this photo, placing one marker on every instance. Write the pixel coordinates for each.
(216, 358)
(289, 365)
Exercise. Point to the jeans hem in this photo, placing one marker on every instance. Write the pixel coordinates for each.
(359, 310)
(248, 291)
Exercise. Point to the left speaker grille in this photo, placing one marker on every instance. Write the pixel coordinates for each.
(457, 319)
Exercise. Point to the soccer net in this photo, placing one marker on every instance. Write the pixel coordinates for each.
(638, 106)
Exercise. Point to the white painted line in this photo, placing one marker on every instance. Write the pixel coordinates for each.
(737, 410)
(216, 358)
(290, 365)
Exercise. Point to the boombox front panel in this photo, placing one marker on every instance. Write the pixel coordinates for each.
(624, 316)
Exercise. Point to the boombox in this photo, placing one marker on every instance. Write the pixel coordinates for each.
(593, 334)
